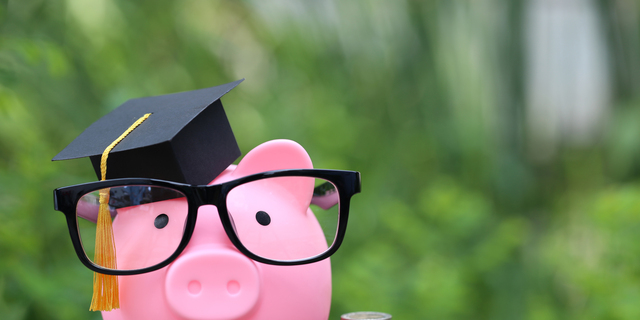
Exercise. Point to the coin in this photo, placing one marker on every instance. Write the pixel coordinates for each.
(366, 315)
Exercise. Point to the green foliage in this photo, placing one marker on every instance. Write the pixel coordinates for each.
(455, 219)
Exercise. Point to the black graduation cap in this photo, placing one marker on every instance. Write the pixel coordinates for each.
(187, 138)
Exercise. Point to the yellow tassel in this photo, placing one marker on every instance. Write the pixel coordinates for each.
(106, 295)
(105, 287)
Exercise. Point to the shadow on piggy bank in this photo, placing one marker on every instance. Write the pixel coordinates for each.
(211, 279)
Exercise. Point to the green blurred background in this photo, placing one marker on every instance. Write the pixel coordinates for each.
(499, 141)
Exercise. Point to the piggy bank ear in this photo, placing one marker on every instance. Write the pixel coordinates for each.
(279, 155)
(274, 155)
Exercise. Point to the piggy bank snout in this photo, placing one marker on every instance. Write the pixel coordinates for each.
(213, 283)
(211, 279)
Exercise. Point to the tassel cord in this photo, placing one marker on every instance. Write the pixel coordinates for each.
(105, 287)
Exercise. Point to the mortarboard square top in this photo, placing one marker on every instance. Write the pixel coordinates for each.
(187, 138)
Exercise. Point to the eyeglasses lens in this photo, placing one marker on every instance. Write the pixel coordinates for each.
(147, 224)
(285, 218)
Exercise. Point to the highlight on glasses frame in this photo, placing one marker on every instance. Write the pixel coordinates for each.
(282, 217)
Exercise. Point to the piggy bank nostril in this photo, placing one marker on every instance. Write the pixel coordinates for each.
(233, 287)
(194, 287)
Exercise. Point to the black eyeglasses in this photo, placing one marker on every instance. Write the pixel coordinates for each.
(284, 217)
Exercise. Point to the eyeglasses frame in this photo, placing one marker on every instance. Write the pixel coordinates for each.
(347, 184)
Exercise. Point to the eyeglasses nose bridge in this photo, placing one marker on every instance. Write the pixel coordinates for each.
(213, 195)
(209, 194)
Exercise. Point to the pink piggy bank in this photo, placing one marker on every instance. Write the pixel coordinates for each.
(211, 279)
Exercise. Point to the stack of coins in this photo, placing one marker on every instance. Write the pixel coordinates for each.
(366, 315)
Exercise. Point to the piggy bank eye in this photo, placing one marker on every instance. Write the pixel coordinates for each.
(263, 218)
(161, 221)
